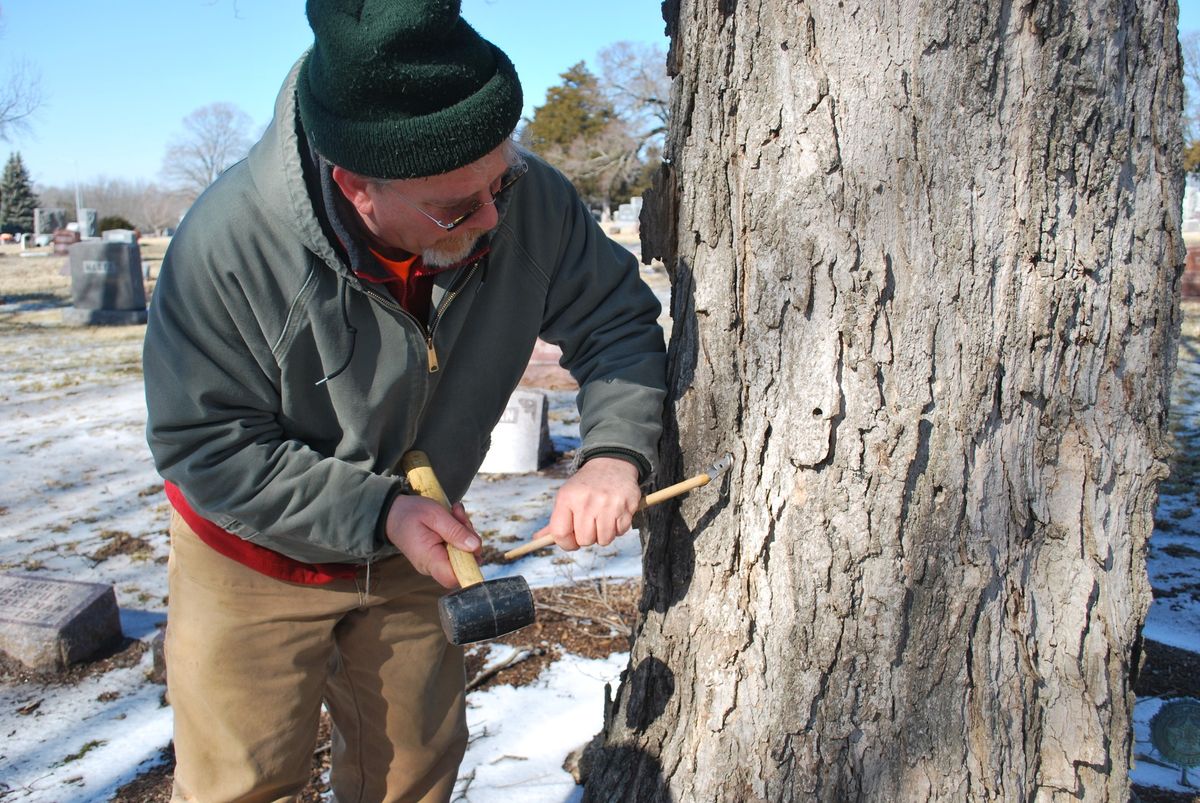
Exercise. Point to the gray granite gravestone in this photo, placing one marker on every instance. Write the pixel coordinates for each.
(48, 625)
(48, 220)
(87, 219)
(106, 284)
(630, 212)
(521, 441)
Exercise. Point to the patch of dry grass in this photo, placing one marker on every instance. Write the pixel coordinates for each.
(42, 355)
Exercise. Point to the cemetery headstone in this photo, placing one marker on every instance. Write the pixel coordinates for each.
(521, 441)
(1191, 205)
(87, 219)
(1175, 734)
(630, 212)
(119, 236)
(47, 625)
(63, 240)
(1191, 267)
(107, 287)
(48, 220)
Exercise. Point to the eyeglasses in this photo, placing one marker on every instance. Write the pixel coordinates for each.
(510, 178)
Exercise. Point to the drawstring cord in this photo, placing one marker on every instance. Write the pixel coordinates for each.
(344, 287)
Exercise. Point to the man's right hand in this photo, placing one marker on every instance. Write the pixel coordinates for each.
(420, 528)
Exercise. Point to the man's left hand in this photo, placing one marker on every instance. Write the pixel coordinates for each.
(595, 505)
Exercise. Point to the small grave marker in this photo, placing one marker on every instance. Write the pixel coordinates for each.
(63, 240)
(119, 236)
(521, 441)
(48, 624)
(1175, 734)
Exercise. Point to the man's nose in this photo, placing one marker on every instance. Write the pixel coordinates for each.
(485, 216)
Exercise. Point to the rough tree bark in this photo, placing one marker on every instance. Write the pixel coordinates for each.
(925, 263)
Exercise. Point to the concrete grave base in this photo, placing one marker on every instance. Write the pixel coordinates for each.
(103, 317)
(47, 625)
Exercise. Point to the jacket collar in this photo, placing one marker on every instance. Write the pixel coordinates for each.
(287, 179)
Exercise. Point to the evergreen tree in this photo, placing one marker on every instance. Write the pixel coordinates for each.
(574, 110)
(1191, 157)
(17, 200)
(578, 131)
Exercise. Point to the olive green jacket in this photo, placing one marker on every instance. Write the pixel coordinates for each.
(282, 391)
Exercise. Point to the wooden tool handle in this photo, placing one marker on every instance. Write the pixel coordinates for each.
(421, 477)
(670, 492)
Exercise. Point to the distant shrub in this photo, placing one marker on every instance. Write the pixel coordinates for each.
(110, 222)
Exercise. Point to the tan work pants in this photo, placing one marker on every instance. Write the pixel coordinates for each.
(250, 658)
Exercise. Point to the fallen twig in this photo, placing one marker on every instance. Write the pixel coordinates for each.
(617, 627)
(512, 660)
(466, 782)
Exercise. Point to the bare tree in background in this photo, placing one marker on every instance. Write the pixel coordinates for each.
(20, 96)
(634, 76)
(214, 137)
(150, 206)
(160, 208)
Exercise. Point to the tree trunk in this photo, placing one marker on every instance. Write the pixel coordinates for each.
(925, 263)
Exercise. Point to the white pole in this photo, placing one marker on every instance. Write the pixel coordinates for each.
(78, 199)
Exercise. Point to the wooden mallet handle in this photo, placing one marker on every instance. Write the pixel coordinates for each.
(649, 500)
(421, 477)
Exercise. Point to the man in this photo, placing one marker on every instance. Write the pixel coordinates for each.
(370, 280)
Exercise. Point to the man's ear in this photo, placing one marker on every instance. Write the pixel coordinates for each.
(354, 187)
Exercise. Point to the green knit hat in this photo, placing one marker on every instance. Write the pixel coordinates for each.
(403, 88)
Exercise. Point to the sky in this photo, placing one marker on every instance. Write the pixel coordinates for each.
(119, 76)
(1189, 16)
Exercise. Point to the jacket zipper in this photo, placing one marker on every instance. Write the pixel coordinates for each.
(434, 365)
(431, 352)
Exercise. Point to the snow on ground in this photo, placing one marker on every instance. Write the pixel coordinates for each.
(80, 500)
(1173, 560)
(1174, 557)
(79, 468)
(81, 742)
(520, 736)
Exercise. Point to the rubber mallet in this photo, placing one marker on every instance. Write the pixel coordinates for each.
(481, 609)
(670, 492)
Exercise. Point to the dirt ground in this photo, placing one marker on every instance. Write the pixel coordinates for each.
(592, 619)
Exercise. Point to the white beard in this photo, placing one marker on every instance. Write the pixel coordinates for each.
(451, 251)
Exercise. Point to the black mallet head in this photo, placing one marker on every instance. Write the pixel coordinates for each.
(481, 609)
(486, 610)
